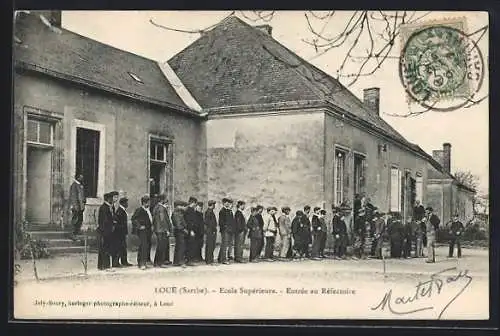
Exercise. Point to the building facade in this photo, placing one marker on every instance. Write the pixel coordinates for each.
(293, 135)
(445, 193)
(82, 106)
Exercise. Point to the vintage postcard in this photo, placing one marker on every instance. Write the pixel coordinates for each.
(251, 165)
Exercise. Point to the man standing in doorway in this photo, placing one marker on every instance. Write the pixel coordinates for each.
(77, 202)
(431, 226)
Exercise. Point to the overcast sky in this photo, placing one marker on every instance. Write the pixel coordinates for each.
(465, 129)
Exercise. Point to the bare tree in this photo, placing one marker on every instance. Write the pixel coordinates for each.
(468, 179)
(368, 36)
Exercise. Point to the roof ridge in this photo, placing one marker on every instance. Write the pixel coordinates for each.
(66, 30)
(302, 61)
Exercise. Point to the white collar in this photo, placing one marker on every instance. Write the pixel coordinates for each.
(147, 209)
(78, 182)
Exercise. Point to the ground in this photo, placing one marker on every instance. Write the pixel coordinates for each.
(298, 289)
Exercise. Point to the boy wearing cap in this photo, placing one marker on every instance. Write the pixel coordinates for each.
(339, 230)
(227, 225)
(260, 221)
(431, 226)
(307, 236)
(191, 219)
(254, 233)
(316, 235)
(180, 233)
(240, 233)
(285, 231)
(270, 231)
(105, 231)
(142, 221)
(163, 229)
(120, 232)
(210, 222)
(456, 229)
(199, 232)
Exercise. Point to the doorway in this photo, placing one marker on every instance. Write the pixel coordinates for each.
(38, 185)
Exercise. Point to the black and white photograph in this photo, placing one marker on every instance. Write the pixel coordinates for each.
(250, 164)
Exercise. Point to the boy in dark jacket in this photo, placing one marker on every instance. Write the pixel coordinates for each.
(210, 222)
(339, 233)
(456, 229)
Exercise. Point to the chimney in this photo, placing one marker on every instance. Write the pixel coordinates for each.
(266, 29)
(54, 16)
(371, 99)
(447, 157)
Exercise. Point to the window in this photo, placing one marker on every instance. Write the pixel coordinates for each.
(160, 167)
(40, 132)
(339, 176)
(359, 174)
(87, 158)
(419, 188)
(158, 151)
(395, 190)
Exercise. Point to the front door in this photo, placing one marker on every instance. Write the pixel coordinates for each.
(38, 187)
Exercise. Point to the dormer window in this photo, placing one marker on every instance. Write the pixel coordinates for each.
(136, 78)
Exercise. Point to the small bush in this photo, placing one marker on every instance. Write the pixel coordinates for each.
(27, 247)
(474, 231)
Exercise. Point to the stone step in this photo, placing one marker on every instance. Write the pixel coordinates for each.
(63, 243)
(66, 250)
(46, 235)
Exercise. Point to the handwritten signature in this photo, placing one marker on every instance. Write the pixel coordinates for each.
(423, 291)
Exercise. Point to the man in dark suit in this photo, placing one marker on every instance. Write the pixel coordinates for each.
(77, 202)
(162, 227)
(240, 233)
(339, 231)
(180, 233)
(191, 219)
(210, 222)
(260, 220)
(199, 233)
(227, 225)
(316, 233)
(120, 234)
(142, 223)
(254, 233)
(456, 229)
(307, 236)
(105, 232)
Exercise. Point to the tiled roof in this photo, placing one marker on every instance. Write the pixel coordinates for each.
(89, 61)
(237, 64)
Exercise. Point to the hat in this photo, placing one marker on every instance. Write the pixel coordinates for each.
(123, 200)
(179, 203)
(227, 200)
(285, 208)
(114, 193)
(211, 202)
(429, 208)
(107, 195)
